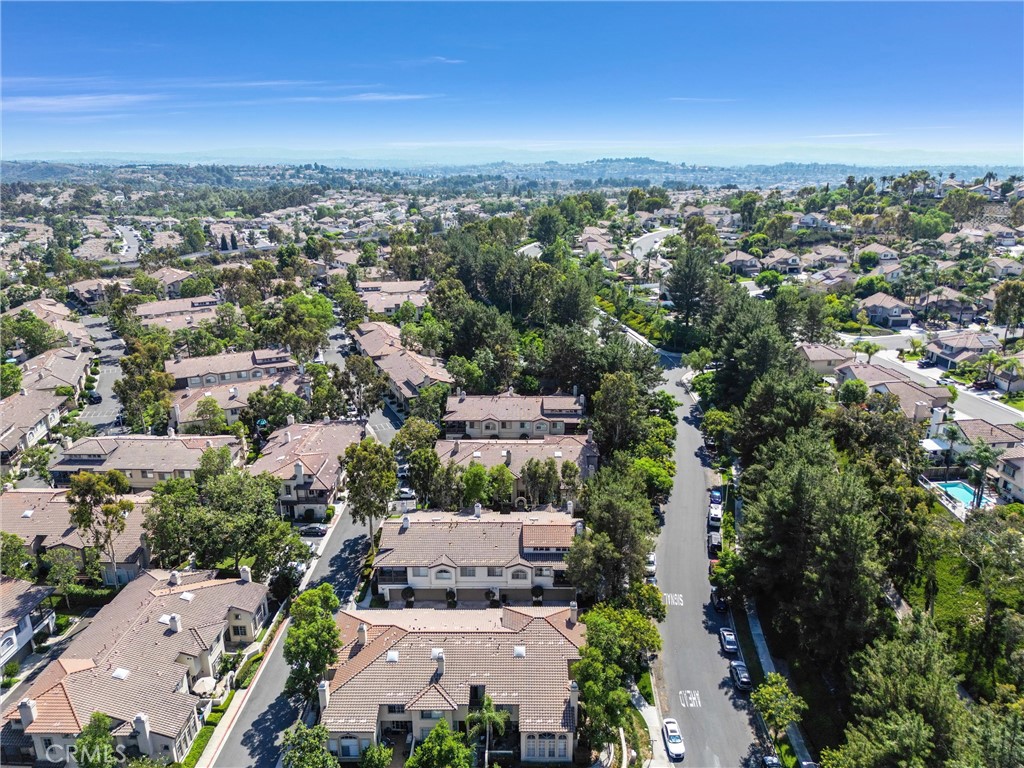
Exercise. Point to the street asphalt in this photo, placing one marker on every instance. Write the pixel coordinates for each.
(254, 739)
(693, 673)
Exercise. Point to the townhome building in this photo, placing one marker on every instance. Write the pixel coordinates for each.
(402, 671)
(197, 372)
(386, 298)
(41, 518)
(144, 459)
(409, 373)
(26, 418)
(231, 397)
(22, 615)
(60, 367)
(883, 252)
(93, 291)
(171, 278)
(742, 263)
(305, 457)
(509, 416)
(147, 660)
(58, 316)
(175, 314)
(581, 450)
(476, 556)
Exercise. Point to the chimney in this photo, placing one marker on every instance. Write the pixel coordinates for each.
(174, 579)
(177, 413)
(590, 435)
(921, 409)
(569, 506)
(23, 392)
(574, 696)
(27, 710)
(39, 376)
(298, 471)
(511, 390)
(477, 509)
(462, 395)
(175, 623)
(361, 634)
(574, 612)
(289, 419)
(575, 390)
(288, 435)
(141, 723)
(233, 393)
(579, 528)
(170, 430)
(508, 457)
(66, 442)
(209, 443)
(455, 448)
(245, 572)
(146, 554)
(327, 419)
(440, 663)
(405, 522)
(188, 391)
(323, 692)
(583, 401)
(938, 416)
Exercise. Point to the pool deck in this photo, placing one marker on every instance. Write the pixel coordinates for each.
(951, 502)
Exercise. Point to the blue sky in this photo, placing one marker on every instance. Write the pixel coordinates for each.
(693, 82)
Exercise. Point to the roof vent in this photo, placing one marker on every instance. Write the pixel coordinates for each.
(476, 454)
(120, 673)
(392, 657)
(519, 652)
(558, 454)
(405, 522)
(187, 596)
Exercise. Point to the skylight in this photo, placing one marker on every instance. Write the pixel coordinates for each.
(120, 673)
(392, 657)
(187, 596)
(27, 513)
(519, 651)
(165, 619)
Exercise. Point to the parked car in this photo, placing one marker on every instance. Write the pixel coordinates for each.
(983, 384)
(740, 676)
(946, 381)
(727, 639)
(406, 494)
(94, 397)
(716, 495)
(714, 543)
(674, 744)
(925, 363)
(715, 516)
(651, 567)
(718, 602)
(771, 761)
(314, 529)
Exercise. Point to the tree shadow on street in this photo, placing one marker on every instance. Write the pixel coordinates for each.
(261, 741)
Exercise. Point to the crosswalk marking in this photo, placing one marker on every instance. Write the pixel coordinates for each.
(690, 699)
(672, 599)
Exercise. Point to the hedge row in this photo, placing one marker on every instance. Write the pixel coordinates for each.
(248, 670)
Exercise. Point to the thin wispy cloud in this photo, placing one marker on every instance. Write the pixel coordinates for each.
(371, 96)
(432, 60)
(95, 102)
(702, 99)
(844, 136)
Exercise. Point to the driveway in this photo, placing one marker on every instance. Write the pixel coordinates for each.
(104, 415)
(254, 739)
(694, 685)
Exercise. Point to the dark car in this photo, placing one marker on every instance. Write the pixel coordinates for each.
(316, 529)
(716, 495)
(925, 363)
(714, 543)
(740, 676)
(718, 602)
(94, 397)
(983, 384)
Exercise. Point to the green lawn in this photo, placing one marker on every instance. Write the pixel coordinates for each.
(1016, 400)
(228, 563)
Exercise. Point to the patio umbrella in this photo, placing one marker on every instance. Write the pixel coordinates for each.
(204, 685)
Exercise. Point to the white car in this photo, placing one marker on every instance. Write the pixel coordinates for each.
(715, 516)
(674, 744)
(651, 567)
(406, 494)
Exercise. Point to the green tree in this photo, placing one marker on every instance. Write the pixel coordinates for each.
(547, 224)
(242, 505)
(273, 405)
(62, 565)
(13, 556)
(476, 484)
(210, 416)
(414, 434)
(502, 484)
(962, 205)
(1009, 307)
(429, 405)
(690, 279)
(376, 756)
(603, 700)
(35, 334)
(777, 704)
(306, 747)
(484, 721)
(372, 479)
(213, 462)
(770, 280)
(36, 461)
(10, 379)
(364, 384)
(980, 458)
(191, 287)
(853, 392)
(615, 406)
(869, 348)
(95, 745)
(276, 545)
(625, 636)
(313, 639)
(99, 511)
(718, 425)
(441, 749)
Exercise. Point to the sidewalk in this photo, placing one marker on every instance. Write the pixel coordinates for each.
(650, 714)
(793, 733)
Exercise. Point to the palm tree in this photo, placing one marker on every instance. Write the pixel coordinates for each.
(981, 457)
(482, 721)
(869, 348)
(1012, 365)
(989, 362)
(952, 434)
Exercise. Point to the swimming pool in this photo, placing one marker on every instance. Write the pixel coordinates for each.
(963, 492)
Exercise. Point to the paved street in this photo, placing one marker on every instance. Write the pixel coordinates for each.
(104, 415)
(645, 243)
(695, 687)
(254, 739)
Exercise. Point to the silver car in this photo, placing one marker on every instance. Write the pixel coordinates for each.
(674, 744)
(728, 640)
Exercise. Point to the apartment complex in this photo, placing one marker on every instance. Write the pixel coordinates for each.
(198, 372)
(509, 416)
(401, 671)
